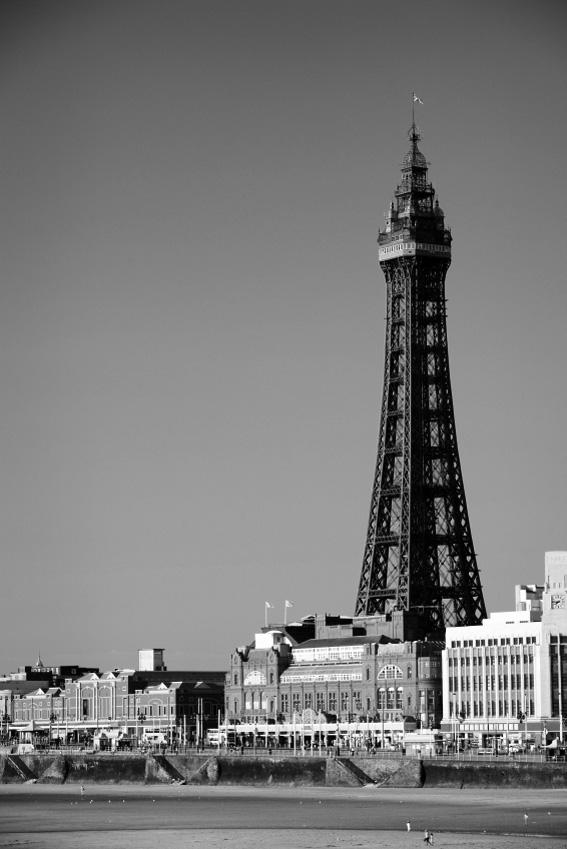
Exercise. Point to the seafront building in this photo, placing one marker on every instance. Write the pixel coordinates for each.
(330, 680)
(127, 706)
(505, 681)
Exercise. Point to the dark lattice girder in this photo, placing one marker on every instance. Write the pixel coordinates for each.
(419, 554)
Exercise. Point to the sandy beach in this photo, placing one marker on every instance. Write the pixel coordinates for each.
(171, 817)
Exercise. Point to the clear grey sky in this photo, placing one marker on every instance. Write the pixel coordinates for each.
(192, 316)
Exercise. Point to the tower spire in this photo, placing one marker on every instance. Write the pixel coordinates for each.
(419, 556)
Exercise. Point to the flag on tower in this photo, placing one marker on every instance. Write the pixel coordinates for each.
(417, 99)
(267, 603)
(288, 603)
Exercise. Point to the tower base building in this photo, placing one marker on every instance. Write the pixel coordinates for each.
(333, 681)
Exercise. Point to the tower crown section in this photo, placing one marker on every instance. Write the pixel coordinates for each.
(415, 223)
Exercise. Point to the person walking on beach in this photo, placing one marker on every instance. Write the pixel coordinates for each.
(428, 837)
(408, 825)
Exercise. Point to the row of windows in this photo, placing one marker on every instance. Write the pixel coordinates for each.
(331, 677)
(492, 641)
(494, 707)
(505, 682)
(390, 671)
(390, 698)
(490, 660)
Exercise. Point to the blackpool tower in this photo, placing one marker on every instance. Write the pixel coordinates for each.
(419, 555)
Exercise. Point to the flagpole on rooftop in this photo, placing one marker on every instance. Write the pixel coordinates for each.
(287, 604)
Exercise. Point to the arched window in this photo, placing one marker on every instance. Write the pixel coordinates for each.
(391, 698)
(390, 671)
(400, 698)
(381, 698)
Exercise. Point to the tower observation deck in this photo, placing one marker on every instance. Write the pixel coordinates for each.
(419, 555)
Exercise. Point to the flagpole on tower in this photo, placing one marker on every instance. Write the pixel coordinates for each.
(414, 99)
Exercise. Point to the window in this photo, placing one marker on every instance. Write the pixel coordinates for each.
(390, 671)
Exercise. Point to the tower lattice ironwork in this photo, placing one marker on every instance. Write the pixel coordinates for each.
(419, 554)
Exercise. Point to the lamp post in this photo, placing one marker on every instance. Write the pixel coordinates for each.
(6, 724)
(52, 719)
(522, 717)
(454, 722)
(139, 720)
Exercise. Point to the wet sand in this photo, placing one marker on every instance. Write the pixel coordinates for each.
(171, 817)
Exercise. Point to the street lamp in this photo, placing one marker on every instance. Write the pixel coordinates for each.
(52, 719)
(522, 717)
(6, 723)
(140, 719)
(454, 701)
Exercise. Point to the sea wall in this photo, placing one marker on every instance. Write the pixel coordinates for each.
(520, 774)
(208, 768)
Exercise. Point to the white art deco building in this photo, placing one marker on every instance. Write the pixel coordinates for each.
(506, 680)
